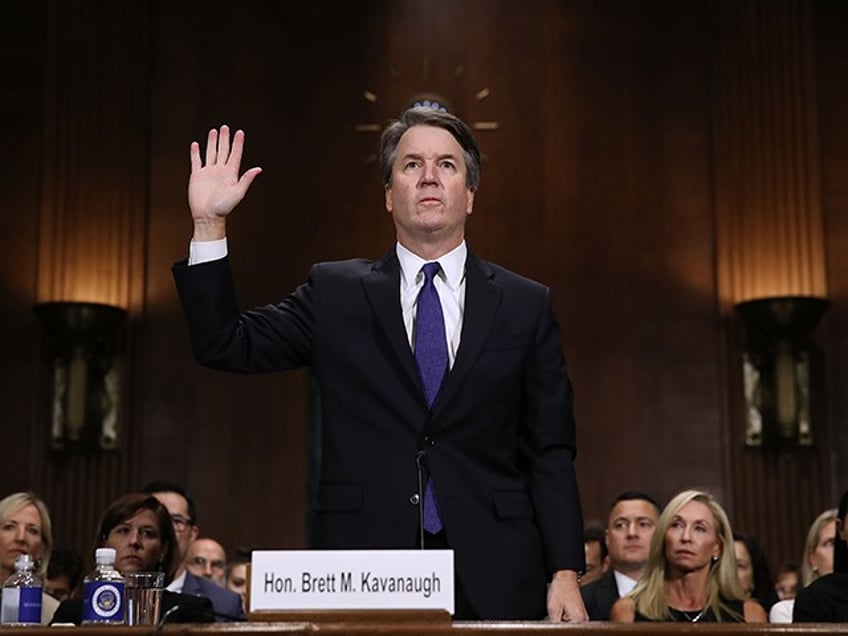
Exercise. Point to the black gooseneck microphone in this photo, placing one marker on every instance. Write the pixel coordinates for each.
(420, 456)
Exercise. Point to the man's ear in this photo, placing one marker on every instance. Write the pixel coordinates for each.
(389, 205)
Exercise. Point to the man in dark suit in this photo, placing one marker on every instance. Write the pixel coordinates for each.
(180, 506)
(446, 408)
(632, 520)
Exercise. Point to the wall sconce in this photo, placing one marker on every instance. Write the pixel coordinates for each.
(778, 363)
(84, 342)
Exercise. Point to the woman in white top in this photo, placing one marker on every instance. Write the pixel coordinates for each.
(817, 561)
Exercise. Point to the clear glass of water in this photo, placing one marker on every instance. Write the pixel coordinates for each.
(144, 597)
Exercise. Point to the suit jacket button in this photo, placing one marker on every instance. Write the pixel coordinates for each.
(414, 499)
(429, 441)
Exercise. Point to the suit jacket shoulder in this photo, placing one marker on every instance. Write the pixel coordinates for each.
(223, 601)
(599, 597)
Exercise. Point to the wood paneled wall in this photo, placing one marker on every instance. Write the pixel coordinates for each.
(600, 179)
(769, 237)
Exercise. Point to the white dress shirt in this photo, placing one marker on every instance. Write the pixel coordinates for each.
(450, 285)
(624, 583)
(177, 584)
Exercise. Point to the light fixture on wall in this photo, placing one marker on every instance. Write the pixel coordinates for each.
(778, 366)
(84, 343)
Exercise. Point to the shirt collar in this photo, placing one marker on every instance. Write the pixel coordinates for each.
(178, 583)
(453, 265)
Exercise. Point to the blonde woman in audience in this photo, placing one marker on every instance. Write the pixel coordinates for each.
(25, 529)
(691, 575)
(816, 561)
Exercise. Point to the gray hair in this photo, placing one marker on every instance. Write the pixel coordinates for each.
(426, 116)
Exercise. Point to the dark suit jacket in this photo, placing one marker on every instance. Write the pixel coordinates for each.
(224, 601)
(499, 441)
(599, 596)
(194, 609)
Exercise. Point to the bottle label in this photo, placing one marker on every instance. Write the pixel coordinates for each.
(11, 601)
(104, 602)
(29, 610)
(21, 605)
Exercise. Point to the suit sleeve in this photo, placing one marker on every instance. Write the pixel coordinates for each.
(810, 607)
(548, 415)
(270, 338)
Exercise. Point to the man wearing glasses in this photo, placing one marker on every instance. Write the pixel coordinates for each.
(227, 604)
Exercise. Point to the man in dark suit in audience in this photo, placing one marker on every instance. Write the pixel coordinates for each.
(184, 515)
(446, 408)
(632, 520)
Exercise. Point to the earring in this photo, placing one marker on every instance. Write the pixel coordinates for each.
(715, 558)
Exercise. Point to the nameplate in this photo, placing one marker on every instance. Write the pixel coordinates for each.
(351, 579)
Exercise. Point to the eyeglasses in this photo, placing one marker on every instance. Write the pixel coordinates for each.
(216, 564)
(180, 523)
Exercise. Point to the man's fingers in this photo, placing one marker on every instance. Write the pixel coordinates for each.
(194, 153)
(211, 147)
(247, 178)
(224, 145)
(238, 148)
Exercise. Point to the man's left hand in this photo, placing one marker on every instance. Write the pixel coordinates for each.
(565, 603)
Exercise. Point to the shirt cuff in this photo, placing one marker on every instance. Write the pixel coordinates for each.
(205, 251)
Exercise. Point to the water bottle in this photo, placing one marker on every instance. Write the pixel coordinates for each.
(22, 594)
(103, 591)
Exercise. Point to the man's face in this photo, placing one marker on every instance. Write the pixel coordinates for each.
(631, 526)
(207, 558)
(594, 567)
(59, 588)
(184, 527)
(428, 196)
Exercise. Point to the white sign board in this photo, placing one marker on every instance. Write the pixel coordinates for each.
(351, 579)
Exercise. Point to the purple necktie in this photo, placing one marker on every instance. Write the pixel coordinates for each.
(431, 354)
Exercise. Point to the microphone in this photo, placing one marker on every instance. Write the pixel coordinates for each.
(195, 610)
(420, 456)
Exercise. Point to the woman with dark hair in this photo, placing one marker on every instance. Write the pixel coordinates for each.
(141, 532)
(691, 574)
(825, 600)
(753, 570)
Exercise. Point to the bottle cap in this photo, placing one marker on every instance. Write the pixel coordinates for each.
(104, 555)
(24, 561)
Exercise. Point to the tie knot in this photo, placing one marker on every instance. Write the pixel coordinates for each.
(430, 270)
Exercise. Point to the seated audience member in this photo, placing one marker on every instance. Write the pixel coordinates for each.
(184, 516)
(64, 573)
(816, 561)
(632, 520)
(691, 573)
(825, 600)
(787, 581)
(753, 570)
(140, 531)
(596, 552)
(237, 574)
(25, 529)
(206, 558)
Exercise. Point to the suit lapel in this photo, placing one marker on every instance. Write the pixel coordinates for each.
(382, 289)
(482, 300)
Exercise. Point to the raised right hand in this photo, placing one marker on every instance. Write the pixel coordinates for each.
(215, 189)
